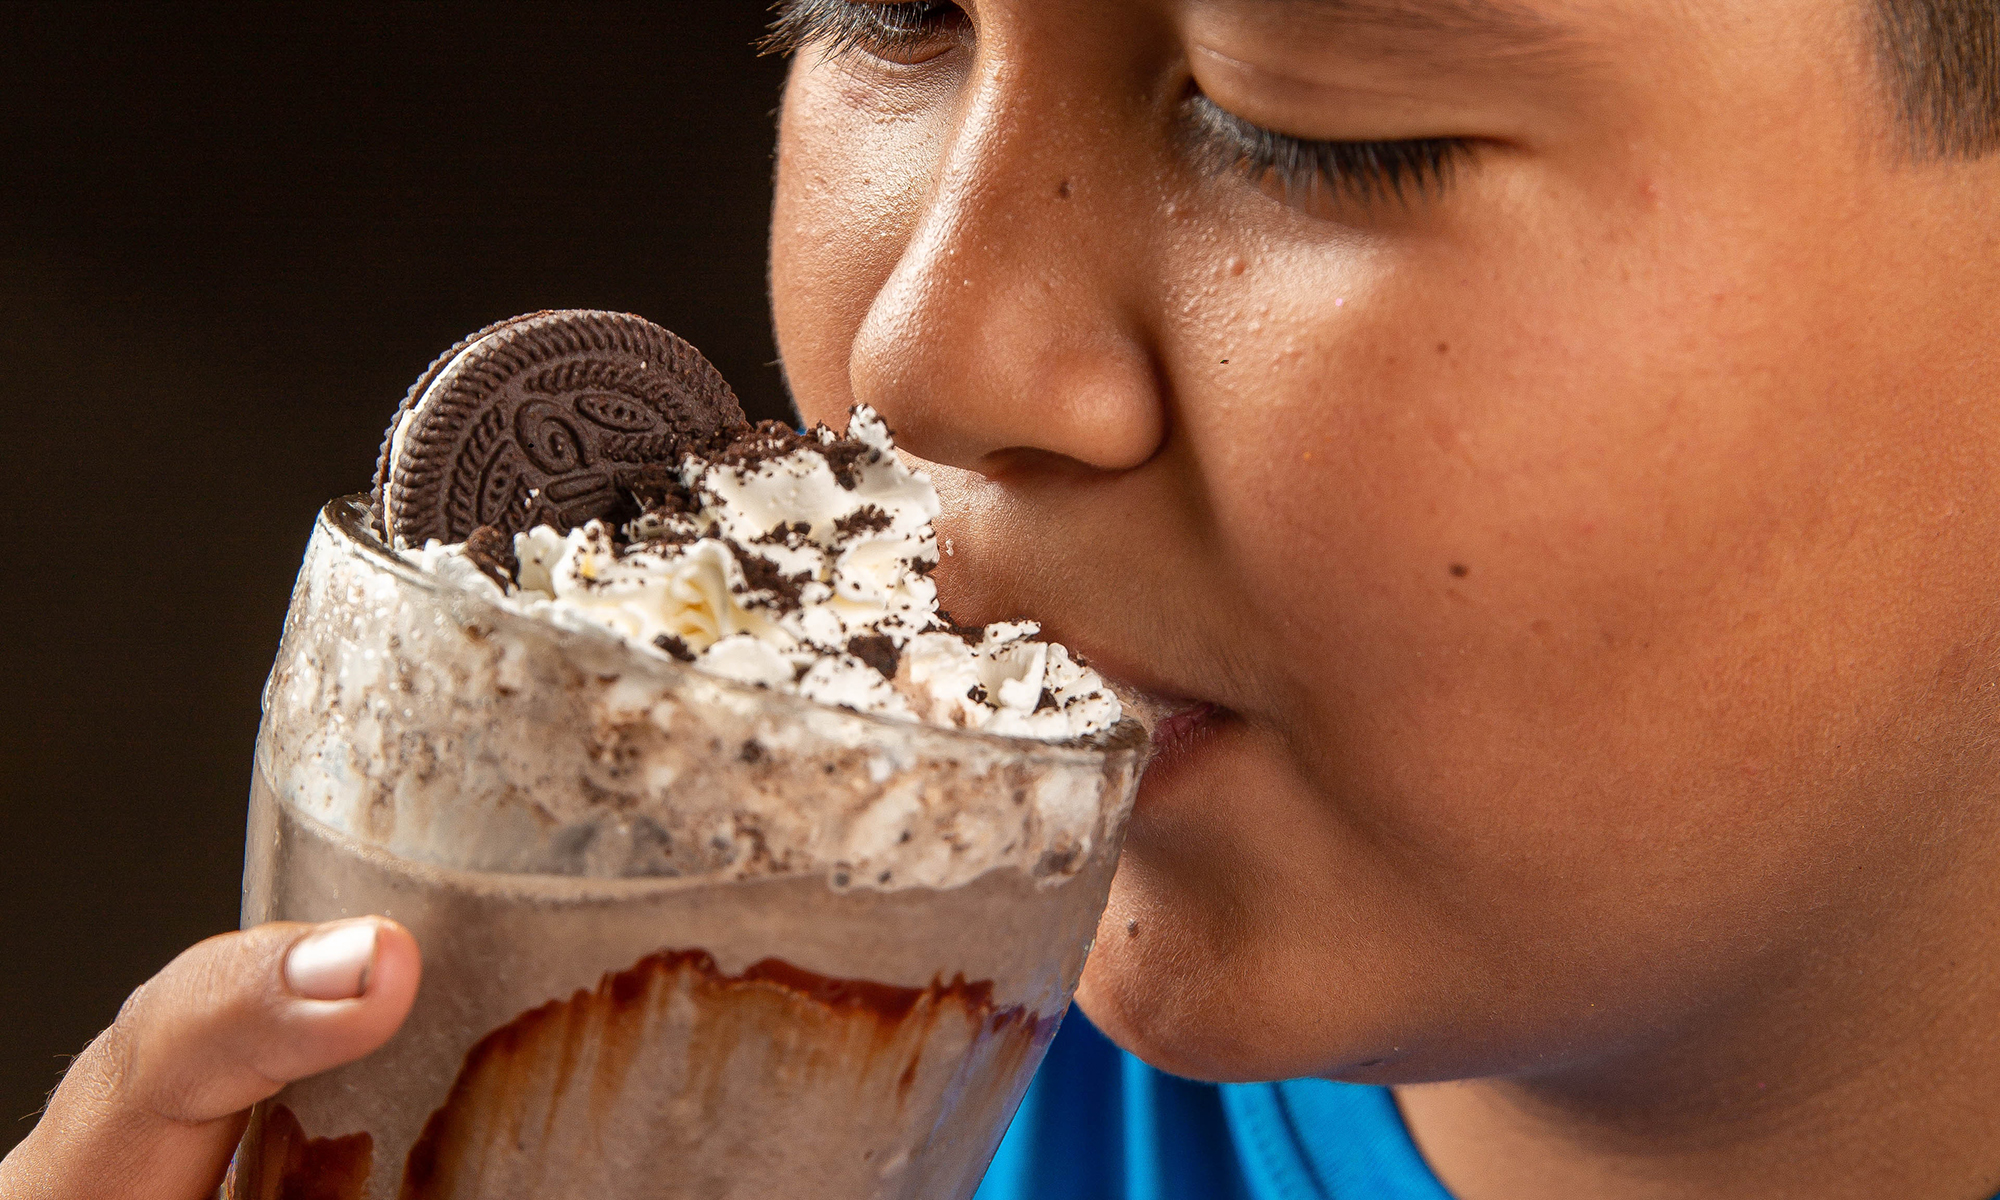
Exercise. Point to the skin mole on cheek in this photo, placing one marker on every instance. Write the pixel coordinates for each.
(1460, 570)
(1063, 190)
(1131, 929)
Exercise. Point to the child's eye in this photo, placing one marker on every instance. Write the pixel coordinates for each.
(900, 33)
(1300, 170)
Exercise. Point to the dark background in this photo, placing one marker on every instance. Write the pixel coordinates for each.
(230, 237)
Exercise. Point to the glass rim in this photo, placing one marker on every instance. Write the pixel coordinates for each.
(351, 519)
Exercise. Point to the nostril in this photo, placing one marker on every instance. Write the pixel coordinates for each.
(1022, 462)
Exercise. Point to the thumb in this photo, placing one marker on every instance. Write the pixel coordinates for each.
(153, 1108)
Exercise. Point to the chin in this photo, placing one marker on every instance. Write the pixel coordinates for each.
(1180, 1039)
(1245, 940)
(1173, 975)
(1165, 1015)
(1162, 986)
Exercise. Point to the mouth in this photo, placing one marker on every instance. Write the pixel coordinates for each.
(1184, 722)
(1182, 734)
(1180, 727)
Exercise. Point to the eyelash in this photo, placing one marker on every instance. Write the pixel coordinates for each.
(1361, 171)
(1365, 171)
(844, 26)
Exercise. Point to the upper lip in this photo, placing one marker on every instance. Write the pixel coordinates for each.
(1144, 695)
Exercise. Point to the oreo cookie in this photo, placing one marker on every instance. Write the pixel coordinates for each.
(540, 420)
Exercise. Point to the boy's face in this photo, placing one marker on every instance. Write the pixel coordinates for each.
(1585, 561)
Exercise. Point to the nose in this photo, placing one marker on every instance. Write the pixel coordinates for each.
(1013, 325)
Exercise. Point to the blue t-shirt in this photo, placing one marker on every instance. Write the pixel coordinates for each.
(1099, 1124)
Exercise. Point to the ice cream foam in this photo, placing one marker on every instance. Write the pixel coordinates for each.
(793, 561)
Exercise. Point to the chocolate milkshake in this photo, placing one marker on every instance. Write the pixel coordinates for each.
(738, 868)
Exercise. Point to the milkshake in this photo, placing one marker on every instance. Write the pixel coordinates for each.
(739, 869)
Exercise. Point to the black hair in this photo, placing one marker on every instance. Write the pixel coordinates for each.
(1941, 59)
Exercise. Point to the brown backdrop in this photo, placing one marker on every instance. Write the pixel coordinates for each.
(230, 235)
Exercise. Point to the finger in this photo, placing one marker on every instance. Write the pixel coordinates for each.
(153, 1107)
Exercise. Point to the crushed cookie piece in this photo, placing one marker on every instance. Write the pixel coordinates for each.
(761, 575)
(877, 650)
(784, 535)
(846, 459)
(492, 551)
(869, 518)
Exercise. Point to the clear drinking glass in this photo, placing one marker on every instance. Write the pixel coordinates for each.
(682, 936)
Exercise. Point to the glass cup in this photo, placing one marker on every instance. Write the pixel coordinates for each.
(682, 936)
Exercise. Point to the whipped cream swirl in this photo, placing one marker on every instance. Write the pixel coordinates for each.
(799, 562)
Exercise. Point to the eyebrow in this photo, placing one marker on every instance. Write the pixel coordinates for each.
(1494, 29)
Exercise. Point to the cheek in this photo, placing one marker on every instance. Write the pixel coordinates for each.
(853, 168)
(1554, 555)
(1480, 479)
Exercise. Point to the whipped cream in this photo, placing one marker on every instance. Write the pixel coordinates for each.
(801, 563)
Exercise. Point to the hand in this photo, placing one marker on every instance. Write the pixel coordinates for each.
(153, 1108)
